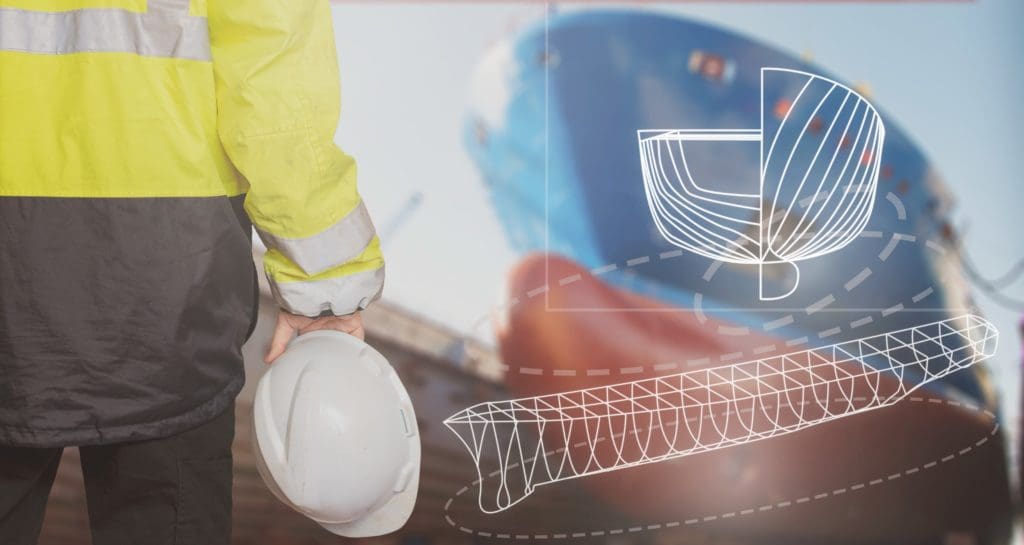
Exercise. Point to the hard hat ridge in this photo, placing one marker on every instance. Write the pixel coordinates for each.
(335, 435)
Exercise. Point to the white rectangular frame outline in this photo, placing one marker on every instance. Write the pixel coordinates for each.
(547, 227)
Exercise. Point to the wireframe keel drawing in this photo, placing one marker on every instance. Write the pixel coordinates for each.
(520, 444)
(820, 157)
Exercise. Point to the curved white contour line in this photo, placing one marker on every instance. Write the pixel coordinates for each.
(678, 216)
(828, 171)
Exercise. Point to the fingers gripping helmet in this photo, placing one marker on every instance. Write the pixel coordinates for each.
(335, 435)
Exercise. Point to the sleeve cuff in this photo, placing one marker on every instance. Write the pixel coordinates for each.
(337, 296)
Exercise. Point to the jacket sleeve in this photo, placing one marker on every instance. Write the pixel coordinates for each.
(278, 103)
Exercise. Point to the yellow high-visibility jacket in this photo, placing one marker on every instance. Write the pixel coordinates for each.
(133, 134)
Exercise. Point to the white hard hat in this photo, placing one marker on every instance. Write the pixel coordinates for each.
(335, 435)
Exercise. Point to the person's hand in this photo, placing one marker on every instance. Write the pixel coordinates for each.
(288, 324)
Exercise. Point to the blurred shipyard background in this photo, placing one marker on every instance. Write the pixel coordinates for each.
(949, 73)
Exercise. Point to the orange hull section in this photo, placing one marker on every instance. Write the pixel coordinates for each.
(819, 485)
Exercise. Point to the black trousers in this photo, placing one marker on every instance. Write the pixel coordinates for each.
(169, 491)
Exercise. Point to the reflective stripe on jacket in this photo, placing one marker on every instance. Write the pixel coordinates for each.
(131, 133)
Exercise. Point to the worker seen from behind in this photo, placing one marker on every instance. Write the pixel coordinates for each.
(140, 142)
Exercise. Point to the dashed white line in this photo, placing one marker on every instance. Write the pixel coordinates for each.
(935, 246)
(901, 211)
(698, 299)
(569, 279)
(731, 331)
(917, 298)
(820, 304)
(775, 324)
(889, 248)
(829, 332)
(863, 321)
(858, 279)
(536, 291)
(712, 269)
(892, 310)
(698, 361)
(764, 349)
(734, 330)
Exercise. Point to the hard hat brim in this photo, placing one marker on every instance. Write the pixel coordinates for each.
(389, 518)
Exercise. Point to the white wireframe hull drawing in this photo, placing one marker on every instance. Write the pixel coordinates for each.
(818, 179)
(520, 444)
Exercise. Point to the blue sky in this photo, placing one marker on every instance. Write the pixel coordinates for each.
(950, 73)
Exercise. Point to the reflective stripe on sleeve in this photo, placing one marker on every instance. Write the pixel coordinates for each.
(165, 30)
(341, 295)
(334, 246)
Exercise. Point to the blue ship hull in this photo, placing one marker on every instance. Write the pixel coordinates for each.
(557, 147)
(599, 296)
